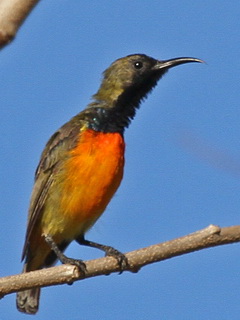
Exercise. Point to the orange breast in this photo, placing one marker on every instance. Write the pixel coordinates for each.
(92, 175)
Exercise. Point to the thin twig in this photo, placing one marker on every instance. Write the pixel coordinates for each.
(209, 237)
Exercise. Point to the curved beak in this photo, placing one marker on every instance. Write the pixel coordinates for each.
(165, 64)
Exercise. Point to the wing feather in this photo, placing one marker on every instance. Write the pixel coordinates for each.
(52, 157)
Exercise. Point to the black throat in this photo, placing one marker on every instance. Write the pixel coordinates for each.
(103, 119)
(117, 117)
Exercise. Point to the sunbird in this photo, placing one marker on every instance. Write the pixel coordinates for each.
(82, 166)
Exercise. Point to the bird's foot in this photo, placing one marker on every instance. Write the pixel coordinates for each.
(64, 259)
(119, 256)
(76, 262)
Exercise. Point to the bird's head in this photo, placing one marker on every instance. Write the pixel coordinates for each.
(125, 84)
(128, 80)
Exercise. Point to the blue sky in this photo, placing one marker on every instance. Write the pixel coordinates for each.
(182, 157)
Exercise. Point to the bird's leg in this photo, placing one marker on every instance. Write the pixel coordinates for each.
(109, 251)
(64, 259)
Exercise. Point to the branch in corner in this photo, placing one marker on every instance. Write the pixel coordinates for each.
(13, 13)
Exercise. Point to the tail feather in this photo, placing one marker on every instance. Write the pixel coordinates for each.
(28, 300)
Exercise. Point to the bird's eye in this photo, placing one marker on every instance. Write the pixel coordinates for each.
(138, 65)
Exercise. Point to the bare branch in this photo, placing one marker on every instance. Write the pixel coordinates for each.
(209, 237)
(12, 15)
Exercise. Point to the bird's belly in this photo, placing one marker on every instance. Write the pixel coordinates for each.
(87, 182)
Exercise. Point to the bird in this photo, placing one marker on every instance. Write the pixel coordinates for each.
(81, 167)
